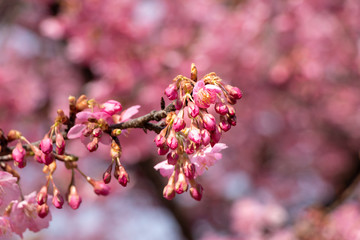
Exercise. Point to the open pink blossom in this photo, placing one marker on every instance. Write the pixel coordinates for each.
(6, 232)
(24, 216)
(9, 190)
(205, 95)
(207, 157)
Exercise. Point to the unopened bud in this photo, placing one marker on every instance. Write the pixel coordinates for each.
(60, 144)
(179, 124)
(58, 200)
(18, 153)
(93, 145)
(205, 137)
(73, 198)
(163, 150)
(171, 91)
(172, 141)
(13, 135)
(169, 192)
(81, 103)
(181, 184)
(193, 109)
(123, 176)
(221, 108)
(224, 124)
(41, 197)
(172, 158)
(47, 159)
(100, 188)
(42, 210)
(209, 122)
(107, 174)
(189, 170)
(46, 145)
(196, 191)
(160, 140)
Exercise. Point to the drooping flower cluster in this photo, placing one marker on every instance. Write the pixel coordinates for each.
(16, 215)
(191, 137)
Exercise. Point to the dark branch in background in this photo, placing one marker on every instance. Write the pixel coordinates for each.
(352, 177)
(147, 168)
(144, 121)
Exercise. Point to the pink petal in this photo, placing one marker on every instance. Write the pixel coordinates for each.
(213, 88)
(128, 113)
(76, 131)
(165, 169)
(84, 116)
(106, 140)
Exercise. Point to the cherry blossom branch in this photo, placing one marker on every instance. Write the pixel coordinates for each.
(144, 121)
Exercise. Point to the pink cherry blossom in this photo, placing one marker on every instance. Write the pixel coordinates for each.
(9, 190)
(207, 157)
(205, 95)
(111, 107)
(6, 232)
(24, 216)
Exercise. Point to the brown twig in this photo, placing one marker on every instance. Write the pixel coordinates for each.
(144, 121)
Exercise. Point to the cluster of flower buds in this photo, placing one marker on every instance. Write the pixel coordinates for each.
(194, 128)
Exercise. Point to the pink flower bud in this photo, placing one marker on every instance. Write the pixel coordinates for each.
(100, 188)
(221, 108)
(93, 145)
(231, 110)
(107, 174)
(196, 192)
(172, 141)
(181, 184)
(169, 192)
(47, 158)
(20, 164)
(111, 107)
(42, 210)
(224, 124)
(163, 150)
(171, 91)
(97, 132)
(18, 153)
(41, 197)
(205, 137)
(60, 144)
(123, 176)
(46, 145)
(74, 199)
(193, 109)
(37, 154)
(234, 91)
(58, 200)
(209, 122)
(179, 124)
(232, 120)
(215, 136)
(195, 135)
(172, 158)
(190, 148)
(189, 170)
(178, 104)
(160, 140)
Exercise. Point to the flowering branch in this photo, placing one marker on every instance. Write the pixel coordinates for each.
(186, 132)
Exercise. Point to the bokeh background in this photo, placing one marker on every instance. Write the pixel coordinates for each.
(294, 149)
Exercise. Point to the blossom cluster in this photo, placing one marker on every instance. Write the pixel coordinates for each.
(191, 137)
